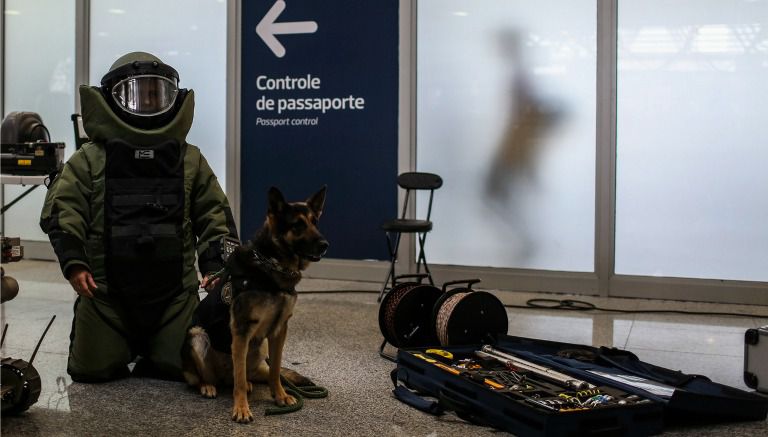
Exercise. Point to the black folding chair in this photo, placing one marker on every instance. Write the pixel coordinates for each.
(412, 181)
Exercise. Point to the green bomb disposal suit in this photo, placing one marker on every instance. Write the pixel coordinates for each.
(134, 206)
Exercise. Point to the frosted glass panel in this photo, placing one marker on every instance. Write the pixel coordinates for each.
(189, 35)
(506, 115)
(692, 166)
(39, 41)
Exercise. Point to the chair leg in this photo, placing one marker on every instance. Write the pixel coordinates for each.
(384, 287)
(422, 259)
(393, 260)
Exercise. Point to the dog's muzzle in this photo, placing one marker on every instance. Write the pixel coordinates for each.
(321, 249)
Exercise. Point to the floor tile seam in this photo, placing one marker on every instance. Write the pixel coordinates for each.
(686, 352)
(631, 327)
(20, 350)
(698, 329)
(565, 314)
(646, 304)
(630, 314)
(684, 316)
(658, 305)
(640, 337)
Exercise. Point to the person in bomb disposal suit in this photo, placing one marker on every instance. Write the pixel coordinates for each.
(126, 217)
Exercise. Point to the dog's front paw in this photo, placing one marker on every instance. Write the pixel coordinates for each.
(242, 414)
(285, 399)
(208, 390)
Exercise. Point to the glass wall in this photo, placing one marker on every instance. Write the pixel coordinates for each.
(189, 35)
(39, 42)
(692, 147)
(506, 115)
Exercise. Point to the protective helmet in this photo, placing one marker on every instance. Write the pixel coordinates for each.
(142, 90)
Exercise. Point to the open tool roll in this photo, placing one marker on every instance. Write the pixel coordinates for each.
(464, 316)
(405, 313)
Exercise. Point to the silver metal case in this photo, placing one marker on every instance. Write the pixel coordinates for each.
(756, 359)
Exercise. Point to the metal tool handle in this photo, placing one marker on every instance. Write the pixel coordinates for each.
(509, 359)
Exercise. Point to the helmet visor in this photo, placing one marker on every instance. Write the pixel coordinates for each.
(146, 95)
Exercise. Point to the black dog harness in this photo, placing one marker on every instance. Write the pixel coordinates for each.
(212, 314)
(271, 264)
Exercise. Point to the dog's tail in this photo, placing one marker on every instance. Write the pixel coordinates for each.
(296, 378)
(292, 376)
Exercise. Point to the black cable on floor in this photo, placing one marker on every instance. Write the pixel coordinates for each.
(575, 305)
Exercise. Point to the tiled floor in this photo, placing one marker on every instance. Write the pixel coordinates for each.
(333, 339)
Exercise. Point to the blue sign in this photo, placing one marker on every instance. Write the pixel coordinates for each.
(320, 106)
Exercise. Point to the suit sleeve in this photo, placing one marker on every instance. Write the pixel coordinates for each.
(211, 218)
(66, 212)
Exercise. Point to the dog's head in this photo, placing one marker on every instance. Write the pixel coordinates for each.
(294, 225)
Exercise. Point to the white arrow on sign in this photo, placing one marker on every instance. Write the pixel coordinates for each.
(267, 28)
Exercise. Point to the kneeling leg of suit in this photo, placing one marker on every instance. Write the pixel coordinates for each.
(163, 359)
(100, 351)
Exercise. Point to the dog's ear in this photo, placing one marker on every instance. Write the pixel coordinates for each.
(276, 201)
(317, 201)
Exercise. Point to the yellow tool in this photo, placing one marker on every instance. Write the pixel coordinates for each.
(427, 359)
(493, 384)
(452, 370)
(442, 353)
(447, 368)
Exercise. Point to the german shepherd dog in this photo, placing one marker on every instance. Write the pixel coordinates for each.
(248, 311)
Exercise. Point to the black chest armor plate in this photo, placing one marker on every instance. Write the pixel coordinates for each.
(143, 220)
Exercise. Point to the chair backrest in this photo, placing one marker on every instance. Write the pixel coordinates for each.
(419, 181)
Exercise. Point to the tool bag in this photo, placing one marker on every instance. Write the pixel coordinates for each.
(533, 387)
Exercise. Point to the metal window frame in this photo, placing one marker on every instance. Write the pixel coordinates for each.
(2, 61)
(82, 47)
(232, 134)
(648, 287)
(3, 39)
(605, 154)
